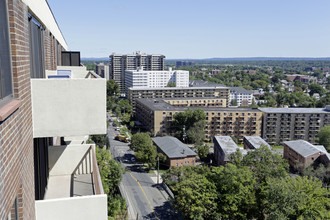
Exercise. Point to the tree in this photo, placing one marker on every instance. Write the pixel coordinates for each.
(101, 140)
(196, 198)
(296, 198)
(144, 149)
(265, 163)
(113, 89)
(233, 102)
(316, 88)
(196, 133)
(235, 192)
(202, 151)
(324, 137)
(171, 84)
(186, 120)
(124, 106)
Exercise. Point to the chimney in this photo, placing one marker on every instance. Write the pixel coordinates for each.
(183, 151)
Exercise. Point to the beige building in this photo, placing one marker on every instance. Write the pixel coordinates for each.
(157, 114)
(178, 92)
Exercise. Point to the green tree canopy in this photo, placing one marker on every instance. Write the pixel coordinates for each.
(265, 163)
(236, 191)
(296, 198)
(144, 149)
(196, 197)
(316, 88)
(202, 151)
(113, 89)
(324, 137)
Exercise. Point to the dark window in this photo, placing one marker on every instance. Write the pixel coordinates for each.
(36, 48)
(41, 166)
(70, 58)
(6, 91)
(13, 214)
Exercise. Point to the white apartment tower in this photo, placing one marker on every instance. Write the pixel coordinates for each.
(119, 63)
(155, 79)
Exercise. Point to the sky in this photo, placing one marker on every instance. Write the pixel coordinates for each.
(196, 29)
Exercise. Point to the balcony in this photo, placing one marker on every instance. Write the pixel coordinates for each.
(68, 107)
(74, 185)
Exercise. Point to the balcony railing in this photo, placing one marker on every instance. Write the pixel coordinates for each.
(74, 185)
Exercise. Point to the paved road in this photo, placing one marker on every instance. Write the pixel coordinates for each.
(145, 198)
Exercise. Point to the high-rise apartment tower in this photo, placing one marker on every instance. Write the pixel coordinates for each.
(119, 63)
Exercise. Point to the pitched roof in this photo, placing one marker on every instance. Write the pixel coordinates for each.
(302, 147)
(240, 90)
(172, 147)
(256, 141)
(228, 146)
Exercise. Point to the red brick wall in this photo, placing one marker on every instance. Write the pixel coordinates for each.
(16, 139)
(183, 161)
(50, 51)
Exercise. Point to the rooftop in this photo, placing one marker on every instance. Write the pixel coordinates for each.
(202, 83)
(178, 88)
(240, 90)
(302, 147)
(295, 110)
(158, 104)
(256, 141)
(172, 147)
(228, 146)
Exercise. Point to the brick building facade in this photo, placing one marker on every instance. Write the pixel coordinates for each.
(17, 189)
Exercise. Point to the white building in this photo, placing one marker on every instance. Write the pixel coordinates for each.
(242, 96)
(155, 79)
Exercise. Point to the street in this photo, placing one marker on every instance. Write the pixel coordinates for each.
(145, 198)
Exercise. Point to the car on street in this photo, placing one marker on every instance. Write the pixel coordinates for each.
(133, 159)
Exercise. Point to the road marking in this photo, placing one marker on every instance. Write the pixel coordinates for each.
(145, 195)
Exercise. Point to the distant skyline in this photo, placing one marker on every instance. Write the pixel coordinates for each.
(196, 29)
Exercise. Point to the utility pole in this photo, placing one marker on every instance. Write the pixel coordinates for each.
(158, 170)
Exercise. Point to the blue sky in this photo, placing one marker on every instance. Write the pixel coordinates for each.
(196, 28)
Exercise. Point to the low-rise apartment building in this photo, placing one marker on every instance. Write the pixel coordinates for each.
(301, 154)
(177, 154)
(178, 92)
(242, 96)
(157, 115)
(286, 124)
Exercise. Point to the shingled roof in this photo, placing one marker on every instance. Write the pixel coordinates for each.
(172, 147)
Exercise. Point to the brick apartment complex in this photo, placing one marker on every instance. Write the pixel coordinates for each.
(301, 154)
(119, 63)
(177, 154)
(176, 92)
(157, 115)
(31, 44)
(286, 124)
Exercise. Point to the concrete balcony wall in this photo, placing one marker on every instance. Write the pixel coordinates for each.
(68, 107)
(82, 208)
(77, 72)
(66, 160)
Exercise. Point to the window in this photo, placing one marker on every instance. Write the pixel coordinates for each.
(6, 91)
(36, 48)
(13, 214)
